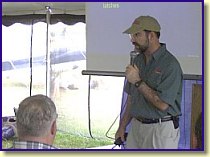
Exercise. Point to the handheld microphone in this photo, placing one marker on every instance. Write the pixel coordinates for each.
(133, 55)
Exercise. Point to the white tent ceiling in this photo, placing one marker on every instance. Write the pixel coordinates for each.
(23, 8)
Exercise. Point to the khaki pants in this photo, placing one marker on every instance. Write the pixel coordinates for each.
(152, 136)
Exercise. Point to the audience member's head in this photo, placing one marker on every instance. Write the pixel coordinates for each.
(36, 119)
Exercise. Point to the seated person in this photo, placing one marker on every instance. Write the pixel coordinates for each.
(36, 123)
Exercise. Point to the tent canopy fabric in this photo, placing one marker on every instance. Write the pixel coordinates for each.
(24, 8)
(8, 20)
(31, 12)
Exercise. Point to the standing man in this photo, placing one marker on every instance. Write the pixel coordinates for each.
(154, 91)
(36, 123)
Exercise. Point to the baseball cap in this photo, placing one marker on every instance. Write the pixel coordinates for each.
(143, 23)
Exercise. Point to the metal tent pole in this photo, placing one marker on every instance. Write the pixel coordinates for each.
(48, 68)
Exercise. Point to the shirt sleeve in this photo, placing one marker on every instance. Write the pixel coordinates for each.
(127, 88)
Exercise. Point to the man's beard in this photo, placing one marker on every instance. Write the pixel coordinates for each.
(141, 48)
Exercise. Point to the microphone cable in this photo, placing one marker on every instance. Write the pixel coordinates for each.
(133, 55)
(111, 127)
(122, 109)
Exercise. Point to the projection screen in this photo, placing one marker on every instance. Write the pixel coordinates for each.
(108, 49)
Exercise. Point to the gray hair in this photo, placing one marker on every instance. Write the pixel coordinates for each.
(35, 116)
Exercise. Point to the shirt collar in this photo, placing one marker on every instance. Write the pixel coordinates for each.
(159, 51)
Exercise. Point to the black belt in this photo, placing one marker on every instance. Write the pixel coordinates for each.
(150, 121)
